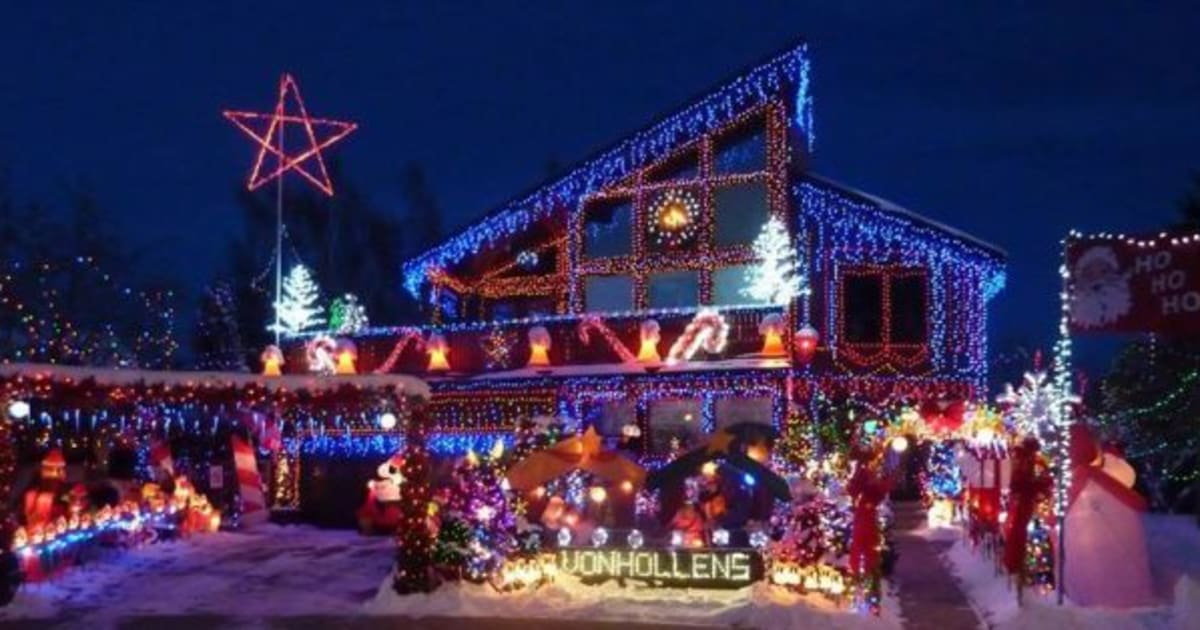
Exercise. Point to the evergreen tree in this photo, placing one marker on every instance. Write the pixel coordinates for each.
(778, 277)
(217, 338)
(347, 316)
(298, 307)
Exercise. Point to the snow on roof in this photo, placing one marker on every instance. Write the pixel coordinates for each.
(113, 376)
(891, 207)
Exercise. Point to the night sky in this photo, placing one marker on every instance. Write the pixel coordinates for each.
(1013, 125)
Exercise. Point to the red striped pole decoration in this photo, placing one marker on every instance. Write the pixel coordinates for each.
(250, 486)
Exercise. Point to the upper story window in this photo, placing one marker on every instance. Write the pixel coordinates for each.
(608, 229)
(682, 229)
(881, 305)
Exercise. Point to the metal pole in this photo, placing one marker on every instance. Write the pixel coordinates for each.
(279, 216)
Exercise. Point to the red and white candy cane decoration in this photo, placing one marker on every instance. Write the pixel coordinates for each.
(592, 323)
(708, 329)
(250, 487)
(407, 336)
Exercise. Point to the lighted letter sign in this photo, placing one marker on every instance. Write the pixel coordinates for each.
(726, 568)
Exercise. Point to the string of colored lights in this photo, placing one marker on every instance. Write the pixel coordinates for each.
(781, 77)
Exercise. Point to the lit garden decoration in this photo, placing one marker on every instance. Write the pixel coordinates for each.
(716, 568)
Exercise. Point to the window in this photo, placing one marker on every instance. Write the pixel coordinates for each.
(608, 293)
(862, 305)
(743, 151)
(884, 306)
(741, 212)
(908, 309)
(733, 411)
(609, 417)
(608, 229)
(675, 419)
(728, 283)
(681, 168)
(674, 289)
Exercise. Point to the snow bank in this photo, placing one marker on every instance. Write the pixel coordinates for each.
(993, 595)
(756, 606)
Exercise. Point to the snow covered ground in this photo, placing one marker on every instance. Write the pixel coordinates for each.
(272, 571)
(1174, 545)
(277, 576)
(757, 606)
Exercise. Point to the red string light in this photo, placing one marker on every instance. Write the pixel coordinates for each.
(268, 142)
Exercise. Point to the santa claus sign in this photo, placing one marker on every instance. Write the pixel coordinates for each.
(1126, 284)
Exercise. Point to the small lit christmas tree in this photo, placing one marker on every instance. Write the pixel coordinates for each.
(779, 276)
(347, 316)
(298, 309)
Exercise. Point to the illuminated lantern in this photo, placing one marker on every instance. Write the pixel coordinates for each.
(806, 344)
(539, 346)
(771, 329)
(438, 349)
(757, 452)
(272, 360)
(650, 336)
(346, 355)
(597, 494)
(899, 444)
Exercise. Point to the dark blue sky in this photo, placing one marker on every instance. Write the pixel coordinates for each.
(1012, 122)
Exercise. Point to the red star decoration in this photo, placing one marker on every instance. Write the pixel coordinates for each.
(268, 142)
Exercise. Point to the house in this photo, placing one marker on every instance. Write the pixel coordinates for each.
(660, 226)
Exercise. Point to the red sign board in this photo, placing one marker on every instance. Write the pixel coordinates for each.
(1130, 284)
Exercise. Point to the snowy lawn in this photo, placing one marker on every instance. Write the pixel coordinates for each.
(1174, 546)
(757, 606)
(300, 576)
(271, 571)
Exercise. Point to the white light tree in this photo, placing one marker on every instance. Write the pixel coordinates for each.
(779, 276)
(298, 309)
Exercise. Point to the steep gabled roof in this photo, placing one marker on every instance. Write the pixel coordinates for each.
(782, 77)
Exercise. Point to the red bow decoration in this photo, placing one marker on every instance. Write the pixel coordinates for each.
(943, 416)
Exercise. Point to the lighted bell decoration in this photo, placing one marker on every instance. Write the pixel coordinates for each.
(650, 335)
(438, 349)
(272, 360)
(539, 347)
(771, 329)
(806, 343)
(346, 356)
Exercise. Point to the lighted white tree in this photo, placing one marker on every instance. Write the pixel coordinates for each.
(298, 309)
(779, 276)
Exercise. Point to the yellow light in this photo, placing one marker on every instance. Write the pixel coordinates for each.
(271, 367)
(899, 444)
(627, 486)
(598, 494)
(345, 363)
(538, 356)
(709, 469)
(437, 360)
(773, 344)
(758, 453)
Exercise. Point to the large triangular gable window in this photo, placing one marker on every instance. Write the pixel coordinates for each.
(678, 233)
